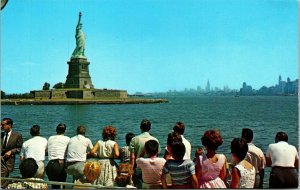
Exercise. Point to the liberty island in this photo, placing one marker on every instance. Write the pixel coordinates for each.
(78, 88)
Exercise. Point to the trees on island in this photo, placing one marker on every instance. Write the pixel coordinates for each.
(58, 85)
(46, 86)
(16, 95)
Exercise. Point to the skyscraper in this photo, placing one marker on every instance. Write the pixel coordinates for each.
(207, 88)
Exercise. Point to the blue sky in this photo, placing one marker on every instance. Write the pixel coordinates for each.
(151, 45)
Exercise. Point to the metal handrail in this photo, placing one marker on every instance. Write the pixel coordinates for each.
(58, 183)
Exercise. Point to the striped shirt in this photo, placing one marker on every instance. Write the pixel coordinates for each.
(124, 154)
(151, 169)
(180, 171)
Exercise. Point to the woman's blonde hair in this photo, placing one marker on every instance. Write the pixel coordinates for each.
(92, 170)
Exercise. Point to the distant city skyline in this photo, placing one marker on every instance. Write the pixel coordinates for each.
(150, 46)
(227, 87)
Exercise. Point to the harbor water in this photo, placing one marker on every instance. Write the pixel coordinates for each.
(264, 115)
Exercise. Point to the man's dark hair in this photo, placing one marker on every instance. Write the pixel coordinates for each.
(281, 136)
(9, 121)
(81, 130)
(247, 134)
(179, 128)
(151, 147)
(239, 147)
(145, 125)
(61, 128)
(178, 150)
(28, 168)
(35, 130)
(128, 138)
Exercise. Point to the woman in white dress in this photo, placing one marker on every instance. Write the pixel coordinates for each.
(106, 150)
(243, 173)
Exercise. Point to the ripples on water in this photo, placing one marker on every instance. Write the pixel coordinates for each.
(265, 115)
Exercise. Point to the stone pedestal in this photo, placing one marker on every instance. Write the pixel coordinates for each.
(78, 74)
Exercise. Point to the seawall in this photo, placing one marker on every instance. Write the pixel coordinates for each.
(81, 101)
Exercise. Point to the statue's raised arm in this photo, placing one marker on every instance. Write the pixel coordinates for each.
(80, 40)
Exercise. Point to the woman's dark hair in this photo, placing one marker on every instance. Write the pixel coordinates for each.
(212, 139)
(179, 128)
(173, 138)
(239, 148)
(109, 133)
(28, 168)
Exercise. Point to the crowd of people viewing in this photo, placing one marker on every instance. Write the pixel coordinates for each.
(137, 165)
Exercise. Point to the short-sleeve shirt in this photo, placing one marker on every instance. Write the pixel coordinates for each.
(57, 146)
(256, 157)
(282, 154)
(151, 169)
(137, 143)
(188, 148)
(180, 171)
(77, 148)
(35, 148)
(124, 154)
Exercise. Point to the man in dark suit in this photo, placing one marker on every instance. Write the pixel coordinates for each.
(11, 143)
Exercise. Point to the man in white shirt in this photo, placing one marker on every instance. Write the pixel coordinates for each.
(179, 128)
(35, 148)
(256, 157)
(77, 153)
(284, 160)
(57, 147)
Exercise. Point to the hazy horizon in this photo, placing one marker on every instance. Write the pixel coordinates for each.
(151, 46)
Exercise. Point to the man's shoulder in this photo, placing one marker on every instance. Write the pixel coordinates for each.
(292, 147)
(58, 137)
(15, 133)
(40, 138)
(36, 139)
(159, 160)
(255, 149)
(273, 145)
(143, 136)
(188, 161)
(185, 141)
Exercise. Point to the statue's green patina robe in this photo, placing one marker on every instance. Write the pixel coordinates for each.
(80, 40)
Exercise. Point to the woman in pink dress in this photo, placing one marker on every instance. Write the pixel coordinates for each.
(211, 168)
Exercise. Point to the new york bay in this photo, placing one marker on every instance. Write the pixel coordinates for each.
(265, 115)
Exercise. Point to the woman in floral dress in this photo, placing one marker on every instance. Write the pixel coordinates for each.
(107, 149)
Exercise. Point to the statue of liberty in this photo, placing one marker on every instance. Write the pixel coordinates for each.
(80, 40)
